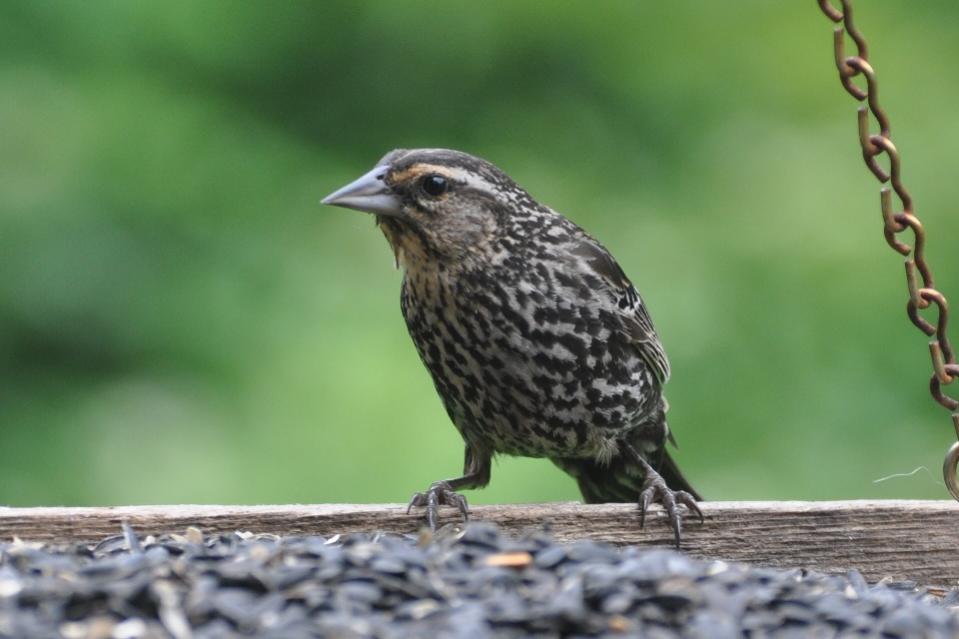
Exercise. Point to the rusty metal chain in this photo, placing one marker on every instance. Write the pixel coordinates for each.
(922, 292)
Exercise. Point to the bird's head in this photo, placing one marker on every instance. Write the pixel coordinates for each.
(435, 205)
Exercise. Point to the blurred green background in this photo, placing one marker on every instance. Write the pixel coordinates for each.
(181, 321)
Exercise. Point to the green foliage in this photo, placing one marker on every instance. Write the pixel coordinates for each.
(180, 321)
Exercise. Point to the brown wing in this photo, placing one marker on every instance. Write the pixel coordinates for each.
(636, 321)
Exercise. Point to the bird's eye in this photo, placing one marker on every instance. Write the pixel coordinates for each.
(434, 185)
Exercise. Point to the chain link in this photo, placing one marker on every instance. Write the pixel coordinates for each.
(919, 281)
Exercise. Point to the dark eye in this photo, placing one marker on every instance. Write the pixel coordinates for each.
(434, 185)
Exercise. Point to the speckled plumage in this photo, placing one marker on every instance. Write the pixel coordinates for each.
(536, 341)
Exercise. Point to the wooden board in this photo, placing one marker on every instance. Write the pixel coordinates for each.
(915, 540)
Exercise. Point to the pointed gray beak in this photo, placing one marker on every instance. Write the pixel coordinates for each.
(368, 193)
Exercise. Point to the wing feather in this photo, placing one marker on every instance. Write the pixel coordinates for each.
(635, 318)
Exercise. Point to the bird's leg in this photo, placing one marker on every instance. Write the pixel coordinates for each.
(476, 473)
(655, 489)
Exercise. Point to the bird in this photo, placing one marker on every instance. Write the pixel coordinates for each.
(536, 341)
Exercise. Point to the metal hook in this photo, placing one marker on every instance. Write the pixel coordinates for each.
(949, 464)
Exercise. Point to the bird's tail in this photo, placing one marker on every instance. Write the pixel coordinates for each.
(621, 480)
(674, 478)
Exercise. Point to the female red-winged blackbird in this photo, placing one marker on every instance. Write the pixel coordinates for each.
(537, 342)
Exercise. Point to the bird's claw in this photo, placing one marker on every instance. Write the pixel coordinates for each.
(655, 489)
(439, 494)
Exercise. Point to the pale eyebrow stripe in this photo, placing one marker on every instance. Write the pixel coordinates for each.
(472, 180)
(418, 169)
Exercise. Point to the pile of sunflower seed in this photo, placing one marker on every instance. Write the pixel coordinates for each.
(471, 583)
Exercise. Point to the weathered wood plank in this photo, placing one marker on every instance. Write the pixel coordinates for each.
(899, 539)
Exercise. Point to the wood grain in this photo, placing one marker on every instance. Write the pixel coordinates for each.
(913, 540)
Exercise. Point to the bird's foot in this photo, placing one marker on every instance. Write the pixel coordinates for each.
(656, 490)
(439, 494)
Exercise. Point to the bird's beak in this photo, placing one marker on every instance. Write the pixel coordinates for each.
(367, 193)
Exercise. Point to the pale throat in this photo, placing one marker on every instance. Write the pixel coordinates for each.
(408, 250)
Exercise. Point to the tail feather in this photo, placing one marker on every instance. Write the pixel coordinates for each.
(621, 480)
(674, 478)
